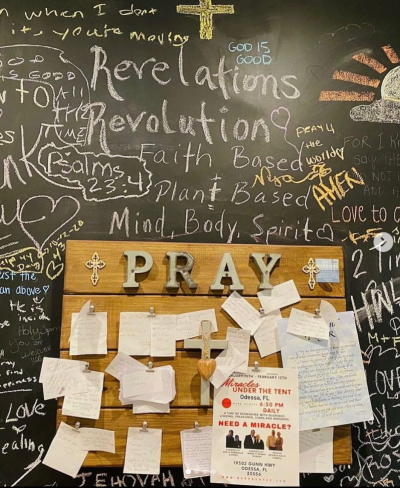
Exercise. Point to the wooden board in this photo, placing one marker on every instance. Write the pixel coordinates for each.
(207, 258)
(120, 419)
(114, 305)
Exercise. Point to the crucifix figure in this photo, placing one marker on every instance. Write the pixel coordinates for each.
(311, 269)
(205, 10)
(205, 344)
(95, 264)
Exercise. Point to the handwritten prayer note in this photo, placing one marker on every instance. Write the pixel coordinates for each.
(97, 440)
(244, 314)
(227, 362)
(266, 337)
(281, 296)
(139, 407)
(188, 324)
(163, 331)
(316, 451)
(64, 453)
(141, 382)
(240, 339)
(165, 395)
(134, 333)
(52, 365)
(143, 451)
(329, 313)
(332, 385)
(123, 364)
(64, 382)
(307, 325)
(196, 452)
(88, 334)
(86, 405)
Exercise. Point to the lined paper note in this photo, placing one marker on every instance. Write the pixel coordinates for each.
(316, 451)
(96, 440)
(64, 454)
(244, 314)
(64, 382)
(240, 339)
(86, 405)
(281, 296)
(143, 451)
(163, 330)
(266, 337)
(188, 324)
(196, 452)
(134, 333)
(307, 325)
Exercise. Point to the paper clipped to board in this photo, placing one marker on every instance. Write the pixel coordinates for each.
(64, 382)
(196, 445)
(141, 383)
(266, 337)
(143, 451)
(307, 325)
(166, 389)
(228, 361)
(123, 364)
(134, 333)
(86, 405)
(279, 297)
(240, 339)
(53, 365)
(244, 314)
(96, 440)
(316, 451)
(88, 332)
(163, 333)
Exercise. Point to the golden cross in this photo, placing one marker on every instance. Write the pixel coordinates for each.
(311, 269)
(205, 10)
(95, 264)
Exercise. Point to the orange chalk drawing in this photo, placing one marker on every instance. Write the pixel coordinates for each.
(371, 62)
(391, 54)
(346, 96)
(356, 236)
(205, 10)
(355, 78)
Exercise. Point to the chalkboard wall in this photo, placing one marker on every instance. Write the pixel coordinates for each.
(117, 121)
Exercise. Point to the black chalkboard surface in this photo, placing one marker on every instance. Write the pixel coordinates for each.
(127, 120)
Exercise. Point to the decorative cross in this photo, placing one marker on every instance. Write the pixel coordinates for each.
(199, 344)
(205, 10)
(95, 264)
(311, 269)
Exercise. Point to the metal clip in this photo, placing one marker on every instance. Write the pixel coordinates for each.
(150, 367)
(196, 427)
(262, 312)
(317, 314)
(86, 370)
(144, 427)
(151, 312)
(77, 427)
(256, 365)
(91, 310)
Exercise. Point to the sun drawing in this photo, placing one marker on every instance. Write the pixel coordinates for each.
(386, 109)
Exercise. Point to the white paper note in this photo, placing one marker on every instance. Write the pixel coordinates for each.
(188, 324)
(329, 313)
(280, 296)
(88, 333)
(141, 383)
(96, 440)
(240, 339)
(166, 395)
(86, 405)
(196, 452)
(134, 333)
(316, 451)
(307, 325)
(63, 454)
(52, 365)
(62, 383)
(123, 364)
(244, 314)
(140, 407)
(332, 384)
(227, 362)
(266, 337)
(163, 330)
(143, 451)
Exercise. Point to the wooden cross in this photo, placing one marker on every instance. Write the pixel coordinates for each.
(199, 344)
(311, 269)
(205, 10)
(95, 264)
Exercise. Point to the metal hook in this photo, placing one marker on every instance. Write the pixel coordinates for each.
(91, 310)
(317, 313)
(262, 312)
(144, 427)
(196, 427)
(86, 370)
(77, 426)
(151, 312)
(256, 365)
(150, 367)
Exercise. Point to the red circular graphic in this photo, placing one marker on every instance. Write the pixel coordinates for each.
(226, 403)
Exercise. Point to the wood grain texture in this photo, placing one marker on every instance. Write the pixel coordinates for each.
(179, 419)
(207, 258)
(114, 305)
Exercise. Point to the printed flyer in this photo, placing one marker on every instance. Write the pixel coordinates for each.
(256, 429)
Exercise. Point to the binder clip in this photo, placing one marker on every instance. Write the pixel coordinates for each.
(196, 427)
(149, 367)
(91, 310)
(77, 427)
(144, 427)
(256, 369)
(86, 370)
(317, 314)
(262, 312)
(151, 312)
